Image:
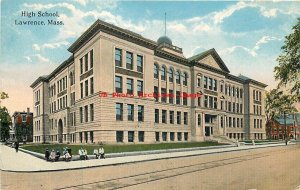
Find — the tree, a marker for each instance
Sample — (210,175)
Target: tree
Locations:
(4,124)
(277,104)
(288,70)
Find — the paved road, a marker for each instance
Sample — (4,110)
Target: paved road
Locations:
(262,169)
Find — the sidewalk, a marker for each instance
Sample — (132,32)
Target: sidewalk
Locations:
(23,162)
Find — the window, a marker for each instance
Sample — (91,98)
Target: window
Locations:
(222,125)
(241,108)
(119,136)
(140,113)
(198,81)
(215,85)
(140,63)
(155,94)
(171,79)
(242,123)
(221,88)
(163,95)
(199,101)
(119,111)
(71,78)
(230,124)
(210,83)
(215,103)
(157,136)
(237,108)
(178,97)
(91,59)
(129,86)
(259,93)
(171,117)
(222,105)
(86,84)
(164,116)
(129,60)
(178,117)
(184,80)
(186,136)
(229,106)
(81,90)
(205,101)
(241,93)
(199,120)
(81,114)
(205,82)
(86,113)
(156,116)
(118,84)
(140,85)
(210,101)
(237,122)
(185,118)
(184,98)
(155,71)
(118,57)
(130,136)
(233,107)
(172,136)
(92,112)
(179,137)
(177,77)
(171,97)
(92,85)
(254,123)
(130,112)
(86,64)
(81,65)
(141,136)
(233,122)
(164,136)
(163,73)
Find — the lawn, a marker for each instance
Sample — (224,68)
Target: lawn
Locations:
(116,148)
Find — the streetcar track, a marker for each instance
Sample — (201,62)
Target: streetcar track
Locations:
(112,183)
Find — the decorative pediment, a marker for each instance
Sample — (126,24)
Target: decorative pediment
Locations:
(210,58)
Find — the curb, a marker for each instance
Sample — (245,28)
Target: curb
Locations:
(140,161)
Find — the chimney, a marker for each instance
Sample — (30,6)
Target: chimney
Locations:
(28,110)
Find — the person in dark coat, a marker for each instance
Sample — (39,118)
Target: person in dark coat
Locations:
(57,155)
(47,154)
(17,146)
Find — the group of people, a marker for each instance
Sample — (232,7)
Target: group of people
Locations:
(99,153)
(67,155)
(55,155)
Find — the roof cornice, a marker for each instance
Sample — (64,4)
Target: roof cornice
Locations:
(100,25)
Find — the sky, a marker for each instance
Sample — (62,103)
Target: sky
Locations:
(247,35)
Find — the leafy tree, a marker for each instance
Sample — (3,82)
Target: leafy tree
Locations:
(288,70)
(277,104)
(5,123)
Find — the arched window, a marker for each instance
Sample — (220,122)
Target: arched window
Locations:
(155,71)
(184,80)
(171,75)
(177,77)
(71,78)
(199,80)
(163,73)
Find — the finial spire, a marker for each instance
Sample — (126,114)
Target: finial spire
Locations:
(165,23)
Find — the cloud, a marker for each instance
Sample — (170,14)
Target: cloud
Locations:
(270,13)
(251,51)
(49,45)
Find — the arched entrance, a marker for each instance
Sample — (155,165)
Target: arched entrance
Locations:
(60,131)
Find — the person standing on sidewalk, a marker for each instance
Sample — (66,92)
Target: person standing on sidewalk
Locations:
(17,146)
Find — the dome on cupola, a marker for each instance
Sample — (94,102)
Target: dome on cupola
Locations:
(164,39)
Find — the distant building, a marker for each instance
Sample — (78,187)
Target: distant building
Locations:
(292,130)
(70,104)
(22,123)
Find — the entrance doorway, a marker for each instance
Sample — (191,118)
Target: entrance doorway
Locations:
(208,131)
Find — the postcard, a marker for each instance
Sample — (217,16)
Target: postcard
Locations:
(107,94)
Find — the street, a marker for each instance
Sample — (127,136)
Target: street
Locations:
(262,169)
